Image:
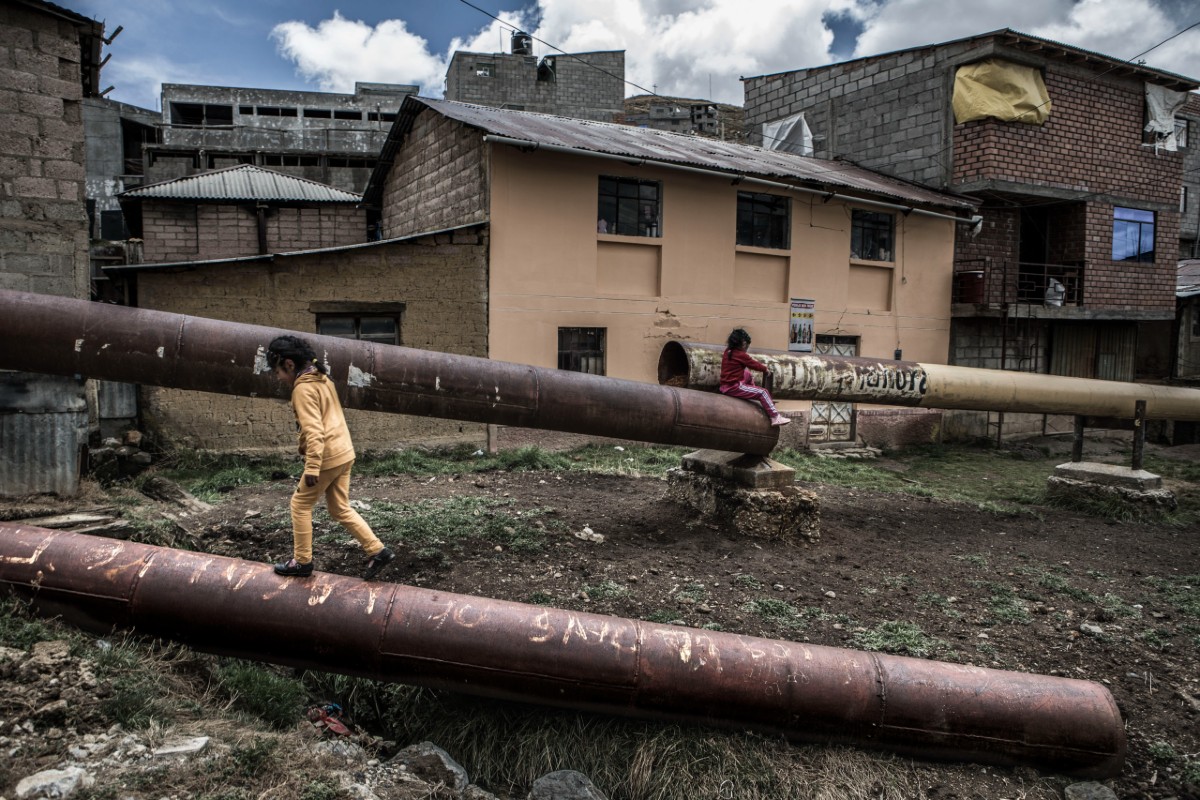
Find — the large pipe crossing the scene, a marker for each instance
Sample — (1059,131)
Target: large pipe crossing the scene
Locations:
(63,336)
(804,376)
(565,658)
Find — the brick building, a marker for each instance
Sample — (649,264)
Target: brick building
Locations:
(1188,135)
(579,85)
(240,211)
(1072,271)
(49,62)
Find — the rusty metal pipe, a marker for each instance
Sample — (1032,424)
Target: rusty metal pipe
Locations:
(802,376)
(565,658)
(62,336)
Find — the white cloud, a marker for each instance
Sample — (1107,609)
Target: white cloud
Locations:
(699,48)
(339,51)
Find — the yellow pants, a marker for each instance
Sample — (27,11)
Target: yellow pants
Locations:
(334,483)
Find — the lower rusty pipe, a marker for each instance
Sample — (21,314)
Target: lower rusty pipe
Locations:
(62,336)
(804,376)
(513,651)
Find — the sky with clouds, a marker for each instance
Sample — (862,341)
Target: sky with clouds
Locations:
(688,48)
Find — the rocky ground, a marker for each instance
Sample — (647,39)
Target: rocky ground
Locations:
(1044,590)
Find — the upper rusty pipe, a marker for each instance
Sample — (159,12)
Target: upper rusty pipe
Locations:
(62,336)
(565,658)
(803,376)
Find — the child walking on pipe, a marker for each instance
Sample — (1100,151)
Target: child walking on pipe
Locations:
(736,380)
(328,457)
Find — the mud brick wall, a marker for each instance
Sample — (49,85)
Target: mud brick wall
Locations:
(43,221)
(439,179)
(195,232)
(441,280)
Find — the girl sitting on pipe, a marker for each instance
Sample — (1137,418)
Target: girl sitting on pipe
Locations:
(737,380)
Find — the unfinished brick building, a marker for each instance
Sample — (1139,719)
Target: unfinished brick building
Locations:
(579,85)
(1073,269)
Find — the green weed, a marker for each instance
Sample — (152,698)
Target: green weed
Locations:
(747,581)
(903,638)
(261,692)
(608,590)
(693,592)
(1181,591)
(776,611)
(449,520)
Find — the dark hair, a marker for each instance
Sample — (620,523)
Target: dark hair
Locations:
(738,338)
(295,348)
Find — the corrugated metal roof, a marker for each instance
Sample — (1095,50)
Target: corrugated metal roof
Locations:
(662,146)
(243,182)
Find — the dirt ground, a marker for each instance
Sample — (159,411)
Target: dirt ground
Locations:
(1023,592)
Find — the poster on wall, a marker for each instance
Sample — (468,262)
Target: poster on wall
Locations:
(800,326)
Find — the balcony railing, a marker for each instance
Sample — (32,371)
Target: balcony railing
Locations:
(988,282)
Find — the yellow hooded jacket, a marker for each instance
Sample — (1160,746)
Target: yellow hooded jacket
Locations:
(324,437)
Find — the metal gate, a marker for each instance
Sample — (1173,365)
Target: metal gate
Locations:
(833,422)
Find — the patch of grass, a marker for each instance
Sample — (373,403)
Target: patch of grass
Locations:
(776,611)
(509,745)
(448,520)
(747,581)
(606,459)
(1053,582)
(1005,607)
(608,590)
(635,461)
(261,692)
(208,475)
(661,617)
(540,599)
(1181,591)
(974,560)
(693,592)
(902,638)
(18,628)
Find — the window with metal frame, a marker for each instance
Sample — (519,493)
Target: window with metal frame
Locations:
(872,235)
(630,207)
(763,220)
(1133,235)
(379,328)
(582,350)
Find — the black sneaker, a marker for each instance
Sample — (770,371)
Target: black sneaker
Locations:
(294,569)
(377,562)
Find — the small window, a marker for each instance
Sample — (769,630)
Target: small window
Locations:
(763,220)
(354,115)
(1182,129)
(246,110)
(378,329)
(1183,200)
(483,70)
(629,207)
(871,236)
(581,350)
(381,117)
(275,111)
(319,113)
(1133,235)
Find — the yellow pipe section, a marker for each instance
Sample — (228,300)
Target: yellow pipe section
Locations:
(804,376)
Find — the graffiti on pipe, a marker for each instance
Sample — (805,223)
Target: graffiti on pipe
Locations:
(849,379)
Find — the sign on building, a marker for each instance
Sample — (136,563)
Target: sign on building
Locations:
(800,326)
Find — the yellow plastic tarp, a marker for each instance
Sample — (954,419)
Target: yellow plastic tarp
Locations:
(1001,90)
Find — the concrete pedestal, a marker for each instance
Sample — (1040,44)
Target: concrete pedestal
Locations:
(754,494)
(1106,482)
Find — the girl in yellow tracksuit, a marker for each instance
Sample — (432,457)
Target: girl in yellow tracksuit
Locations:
(328,457)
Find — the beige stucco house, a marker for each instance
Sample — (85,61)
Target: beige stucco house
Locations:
(608,240)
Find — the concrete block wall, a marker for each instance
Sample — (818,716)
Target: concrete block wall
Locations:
(586,85)
(195,232)
(1189,227)
(43,219)
(439,179)
(885,113)
(441,280)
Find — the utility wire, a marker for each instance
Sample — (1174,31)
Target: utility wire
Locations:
(848,165)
